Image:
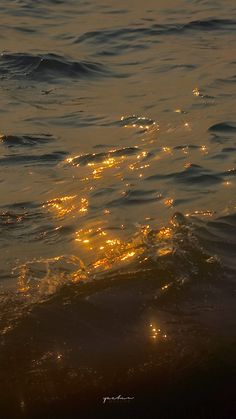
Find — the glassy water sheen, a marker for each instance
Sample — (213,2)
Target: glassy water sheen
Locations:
(117,207)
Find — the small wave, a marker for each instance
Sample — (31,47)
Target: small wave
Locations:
(142,122)
(19,221)
(25,140)
(136,197)
(192,174)
(166,306)
(76,118)
(218,236)
(17,215)
(181,254)
(223,127)
(211,24)
(46,67)
(227,80)
(19,159)
(173,248)
(111,36)
(29,223)
(86,159)
(229,172)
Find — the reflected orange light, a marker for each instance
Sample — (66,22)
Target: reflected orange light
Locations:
(196,92)
(66,204)
(168,202)
(165,233)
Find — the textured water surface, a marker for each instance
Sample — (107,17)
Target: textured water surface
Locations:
(117,207)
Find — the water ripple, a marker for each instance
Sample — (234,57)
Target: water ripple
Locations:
(110,36)
(47,67)
(26,140)
(224,127)
(88,159)
(193,174)
(19,159)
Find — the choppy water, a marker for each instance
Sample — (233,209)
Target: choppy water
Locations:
(117,207)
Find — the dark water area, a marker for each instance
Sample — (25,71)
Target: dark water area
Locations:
(117,209)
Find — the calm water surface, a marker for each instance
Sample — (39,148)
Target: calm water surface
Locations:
(117,207)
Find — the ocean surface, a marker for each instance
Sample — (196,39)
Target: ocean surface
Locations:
(117,208)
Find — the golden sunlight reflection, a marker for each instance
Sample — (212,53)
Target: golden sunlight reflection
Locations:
(141,122)
(110,250)
(206,213)
(165,233)
(115,161)
(112,160)
(164,251)
(106,164)
(166,286)
(196,92)
(84,205)
(168,202)
(204,149)
(227,183)
(181,111)
(99,249)
(128,255)
(156,333)
(167,149)
(187,165)
(137,166)
(62,206)
(187,126)
(40,277)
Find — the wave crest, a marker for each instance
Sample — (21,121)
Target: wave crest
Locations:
(46,67)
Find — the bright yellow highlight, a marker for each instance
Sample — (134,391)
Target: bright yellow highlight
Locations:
(65,205)
(196,92)
(156,334)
